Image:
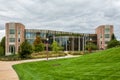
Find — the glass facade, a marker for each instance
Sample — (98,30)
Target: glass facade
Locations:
(30,35)
(69,41)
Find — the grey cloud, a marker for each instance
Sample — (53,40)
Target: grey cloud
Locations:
(68,15)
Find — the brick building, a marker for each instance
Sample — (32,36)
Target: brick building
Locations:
(14,37)
(16,34)
(104,33)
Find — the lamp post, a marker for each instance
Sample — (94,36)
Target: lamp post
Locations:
(47,47)
(90,45)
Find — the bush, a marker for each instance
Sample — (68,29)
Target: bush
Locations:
(50,54)
(2,44)
(113,43)
(25,50)
(10,58)
(75,53)
(39,47)
(91,46)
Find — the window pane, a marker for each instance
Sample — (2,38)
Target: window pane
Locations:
(107,30)
(12,31)
(18,39)
(107,35)
(12,39)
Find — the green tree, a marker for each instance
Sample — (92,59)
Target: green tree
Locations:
(38,45)
(55,47)
(25,49)
(91,46)
(1,51)
(113,43)
(113,37)
(2,44)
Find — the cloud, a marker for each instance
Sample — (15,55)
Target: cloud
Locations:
(68,15)
(2,34)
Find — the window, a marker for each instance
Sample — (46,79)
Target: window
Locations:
(107,30)
(12,31)
(107,35)
(12,39)
(101,42)
(106,42)
(28,35)
(18,39)
(18,31)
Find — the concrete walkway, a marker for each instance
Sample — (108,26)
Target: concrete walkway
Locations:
(8,73)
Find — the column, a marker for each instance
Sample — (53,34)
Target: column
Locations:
(72,43)
(66,44)
(53,38)
(83,44)
(79,44)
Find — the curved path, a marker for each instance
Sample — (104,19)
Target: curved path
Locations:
(8,73)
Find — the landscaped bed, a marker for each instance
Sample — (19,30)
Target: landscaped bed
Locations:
(33,56)
(104,65)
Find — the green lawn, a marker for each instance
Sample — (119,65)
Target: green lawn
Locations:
(104,65)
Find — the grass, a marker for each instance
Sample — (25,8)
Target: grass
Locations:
(104,65)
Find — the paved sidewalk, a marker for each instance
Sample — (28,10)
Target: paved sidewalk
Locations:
(8,73)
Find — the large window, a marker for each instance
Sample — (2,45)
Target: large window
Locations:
(107,30)
(30,35)
(107,35)
(12,31)
(12,39)
(18,31)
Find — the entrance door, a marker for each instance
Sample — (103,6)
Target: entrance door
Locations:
(12,49)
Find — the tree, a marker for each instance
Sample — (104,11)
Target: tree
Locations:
(113,37)
(113,43)
(25,49)
(1,51)
(91,46)
(37,40)
(38,45)
(2,44)
(55,47)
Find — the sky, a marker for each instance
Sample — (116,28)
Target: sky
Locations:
(81,16)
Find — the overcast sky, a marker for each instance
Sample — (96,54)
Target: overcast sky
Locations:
(81,16)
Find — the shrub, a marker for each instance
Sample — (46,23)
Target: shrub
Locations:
(91,46)
(75,53)
(10,58)
(113,43)
(25,50)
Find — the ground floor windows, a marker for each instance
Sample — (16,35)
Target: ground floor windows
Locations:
(12,49)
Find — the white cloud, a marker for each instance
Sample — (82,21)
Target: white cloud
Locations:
(2,34)
(68,15)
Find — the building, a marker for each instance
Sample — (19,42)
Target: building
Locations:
(16,34)
(104,33)
(14,37)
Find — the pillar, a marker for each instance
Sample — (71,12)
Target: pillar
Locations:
(78,43)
